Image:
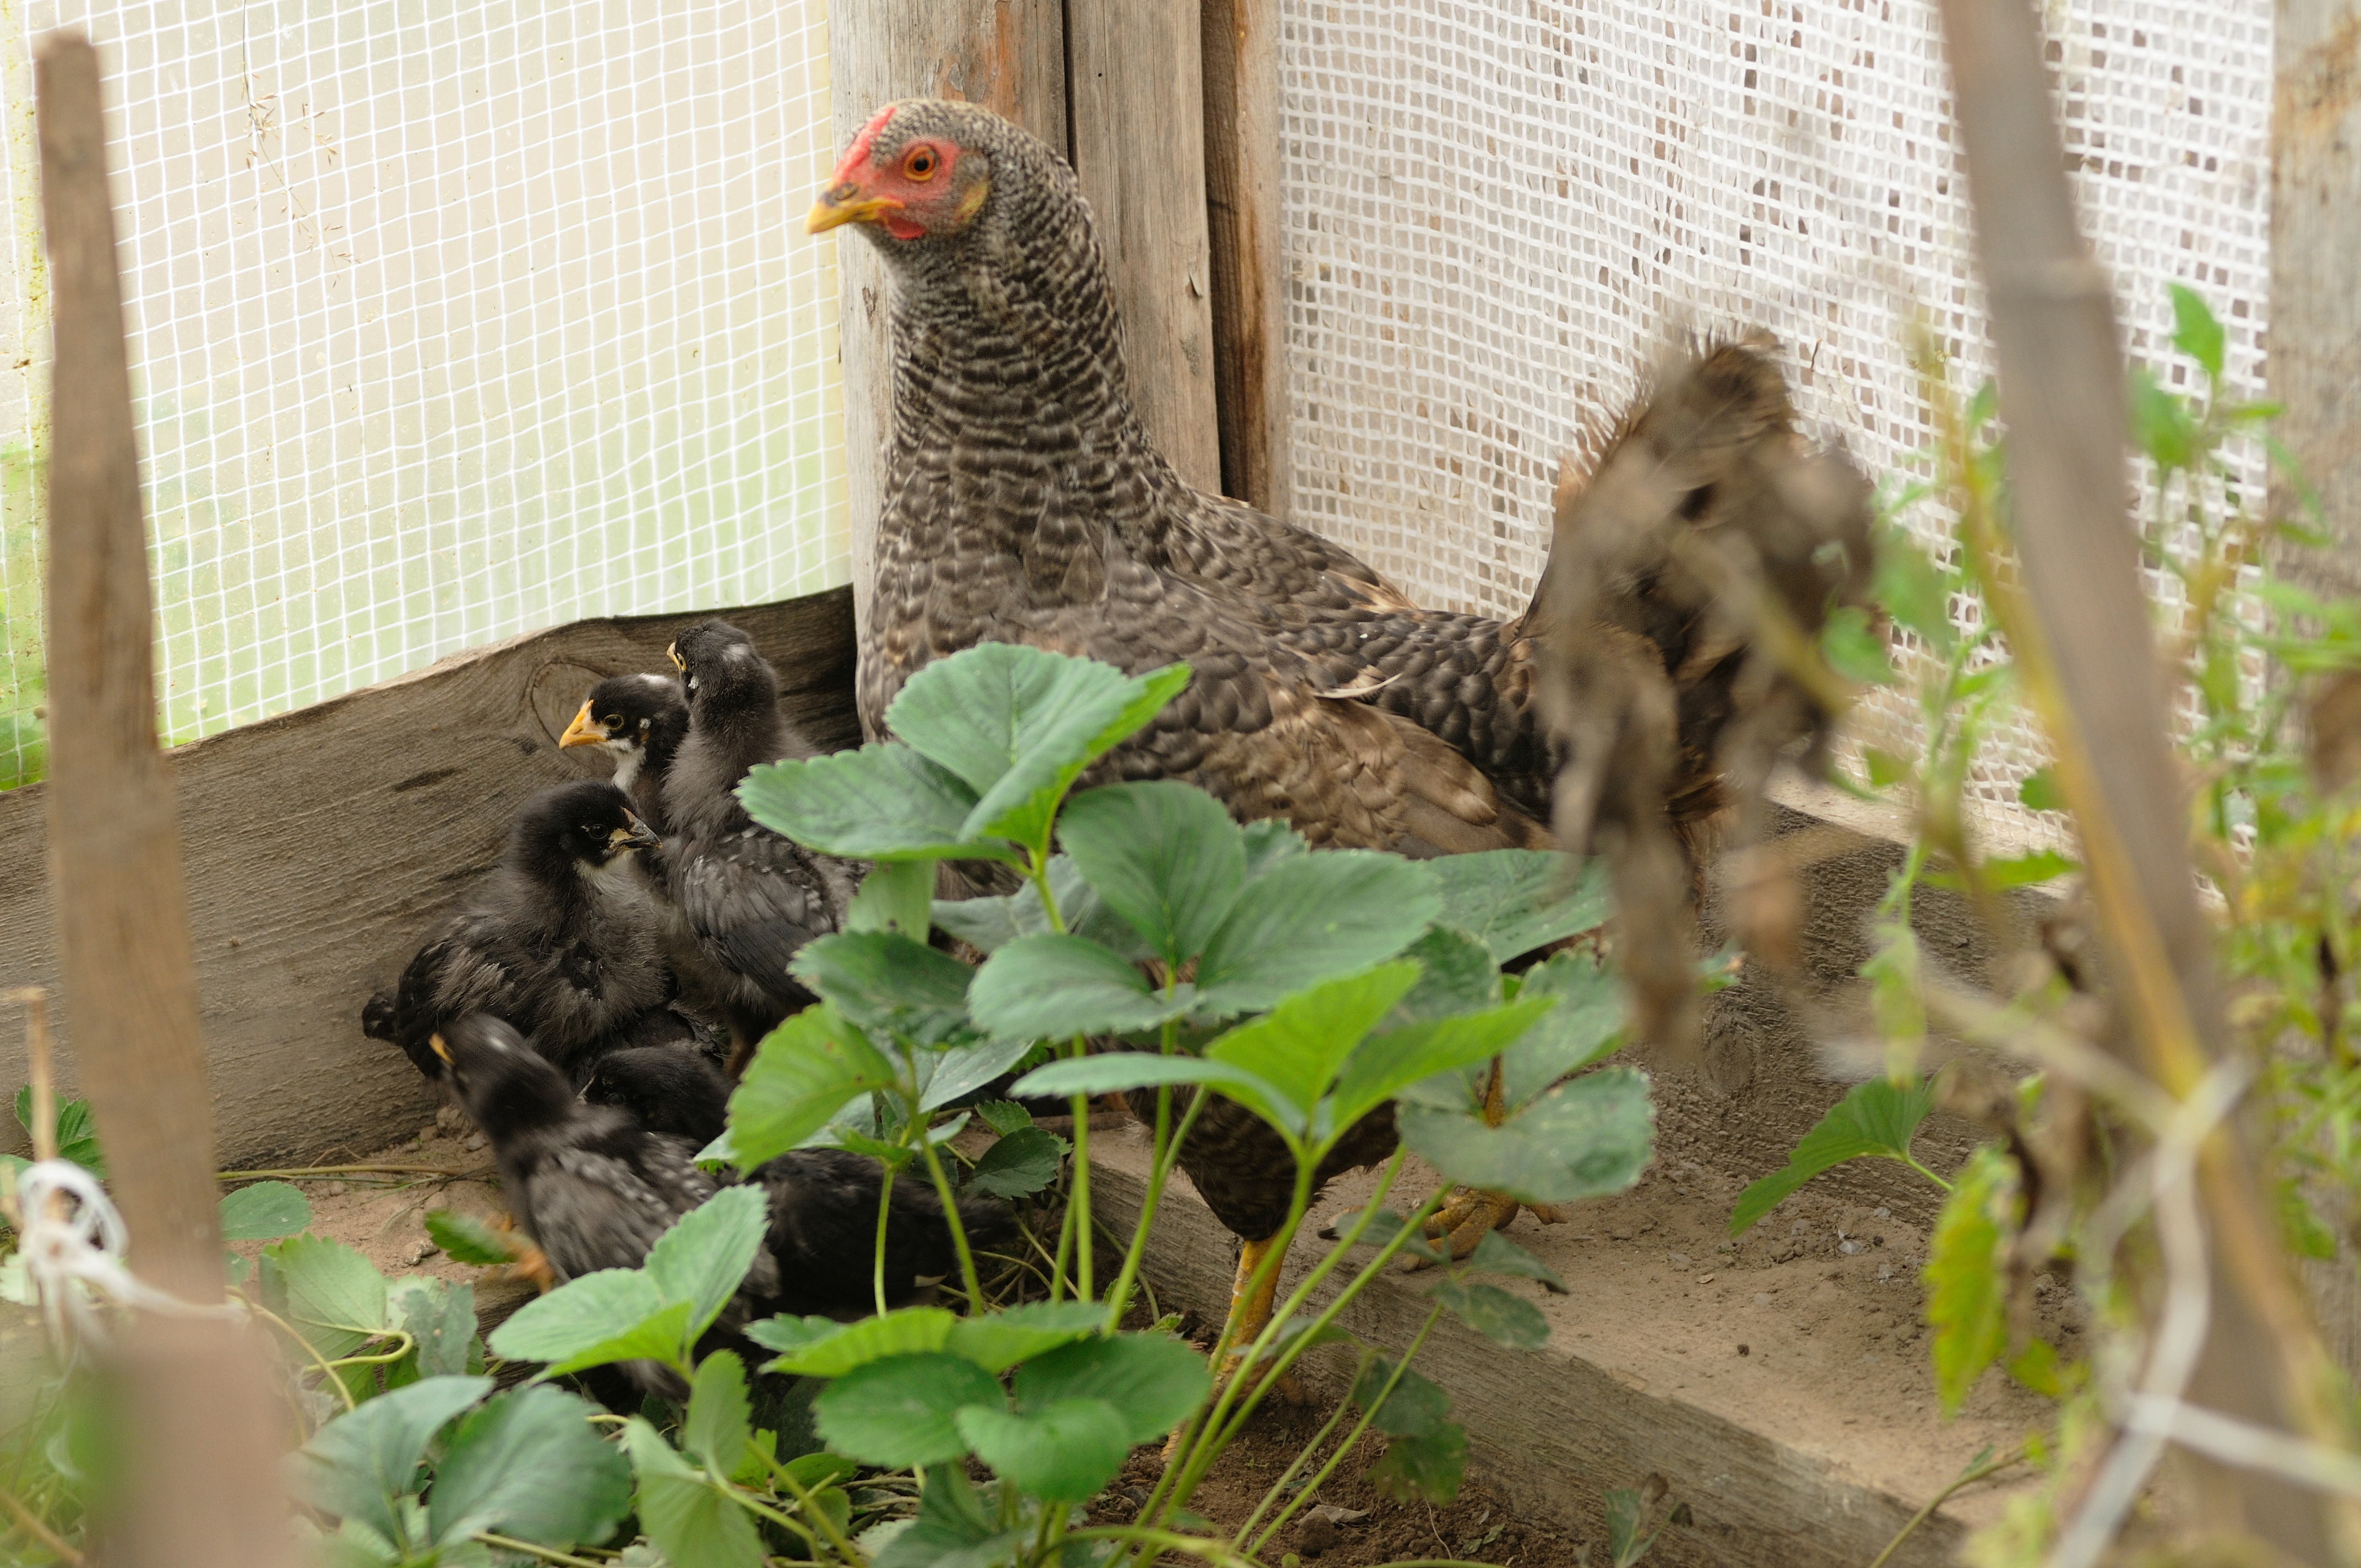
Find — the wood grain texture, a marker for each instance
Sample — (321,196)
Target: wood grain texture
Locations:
(1006,54)
(1138,108)
(199,1426)
(2315,330)
(1240,53)
(323,843)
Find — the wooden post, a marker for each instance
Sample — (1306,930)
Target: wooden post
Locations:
(1137,102)
(2091,660)
(194,1408)
(1242,210)
(1006,54)
(2314,357)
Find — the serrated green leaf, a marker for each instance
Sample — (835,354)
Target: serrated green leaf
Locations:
(705,1255)
(1515,901)
(1117,1070)
(531,1466)
(1267,843)
(263,1212)
(1154,1380)
(1053,987)
(1004,1117)
(1062,1453)
(1164,856)
(1874,1119)
(803,1073)
(1000,1340)
(1311,918)
(2032,867)
(1416,1407)
(880,803)
(1885,769)
(334,1298)
(1427,1467)
(2161,424)
(1912,591)
(897,897)
(1587,1136)
(903,1409)
(1386,1064)
(1585,1027)
(951,1529)
(694,1525)
(1626,1543)
(2195,332)
(440,1317)
(1496,1254)
(1491,1312)
(854,1346)
(614,1314)
(361,1463)
(463,1238)
(963,1069)
(2040,791)
(989,925)
(1850,644)
(718,1427)
(1966,1274)
(1300,1046)
(1383,1226)
(2036,1367)
(1019,1165)
(887,982)
(1457,974)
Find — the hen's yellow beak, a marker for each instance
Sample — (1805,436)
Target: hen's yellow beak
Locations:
(440,1049)
(844,203)
(582,731)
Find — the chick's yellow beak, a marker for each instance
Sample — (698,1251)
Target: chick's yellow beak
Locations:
(672,652)
(844,203)
(582,731)
(440,1049)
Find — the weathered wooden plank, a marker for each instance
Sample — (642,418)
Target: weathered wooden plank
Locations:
(1240,52)
(2315,321)
(323,843)
(1138,101)
(1008,54)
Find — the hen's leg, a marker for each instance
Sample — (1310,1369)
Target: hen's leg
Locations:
(1250,1307)
(1469,1213)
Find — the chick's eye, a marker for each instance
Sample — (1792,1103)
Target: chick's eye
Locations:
(614,718)
(920,164)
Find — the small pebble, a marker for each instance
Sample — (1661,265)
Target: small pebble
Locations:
(1705,1278)
(1745,1351)
(1885,1271)
(476,1143)
(1884,1214)
(1314,1536)
(1677,1259)
(335,1190)
(1797,1229)
(1848,1248)
(425,1133)
(1763,1298)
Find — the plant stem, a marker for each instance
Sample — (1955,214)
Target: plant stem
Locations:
(1078,1200)
(317,1359)
(1304,1456)
(877,1263)
(1065,1250)
(548,1554)
(35,1527)
(1922,1170)
(820,1517)
(300,1172)
(1168,1149)
(1168,1541)
(951,1218)
(1312,1488)
(1976,1471)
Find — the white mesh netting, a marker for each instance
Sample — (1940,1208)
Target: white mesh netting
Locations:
(447,323)
(1493,211)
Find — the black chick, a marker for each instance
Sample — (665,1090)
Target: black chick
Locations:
(561,941)
(823,1202)
(641,721)
(745,899)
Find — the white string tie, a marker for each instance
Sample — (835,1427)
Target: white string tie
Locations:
(72,1242)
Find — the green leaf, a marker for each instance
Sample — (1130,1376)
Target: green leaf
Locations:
(333,1295)
(694,1525)
(1885,769)
(264,1211)
(903,1409)
(802,1073)
(1019,724)
(880,803)
(614,1314)
(1062,1453)
(989,925)
(1457,974)
(2161,425)
(1311,918)
(1425,1467)
(2040,791)
(1267,843)
(2037,1368)
(2195,332)
(963,1069)
(1626,1543)
(897,897)
(1850,644)
(530,1465)
(1587,1136)
(950,1531)
(74,1129)
(1164,856)
(463,1238)
(1156,1381)
(1384,1225)
(1585,1027)
(441,1316)
(1004,1117)
(1913,590)
(1053,987)
(717,1427)
(1491,1312)
(854,1346)
(1389,1063)
(1416,1407)
(706,1254)
(1000,1340)
(882,980)
(1514,901)
(359,1464)
(1020,1165)
(1875,1118)
(1114,1071)
(2026,869)
(1496,1254)
(1300,1046)
(1967,1273)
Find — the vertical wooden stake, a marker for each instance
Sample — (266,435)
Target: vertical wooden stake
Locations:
(1242,209)
(193,1406)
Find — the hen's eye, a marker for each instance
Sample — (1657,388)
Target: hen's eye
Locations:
(920,164)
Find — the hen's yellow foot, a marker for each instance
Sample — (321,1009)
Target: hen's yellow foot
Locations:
(1250,1305)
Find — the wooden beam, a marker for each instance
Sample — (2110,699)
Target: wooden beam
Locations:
(323,843)
(1006,54)
(2315,362)
(1242,210)
(1138,108)
(194,1414)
